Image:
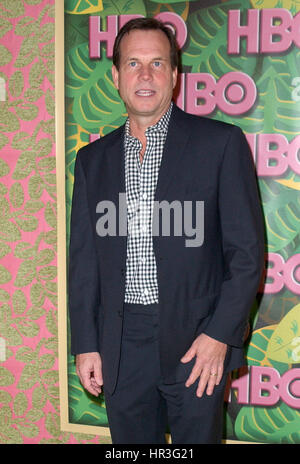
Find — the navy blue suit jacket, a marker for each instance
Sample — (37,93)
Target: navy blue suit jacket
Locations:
(209,288)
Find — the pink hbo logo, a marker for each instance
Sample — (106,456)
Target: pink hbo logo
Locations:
(264,386)
(280,273)
(234,93)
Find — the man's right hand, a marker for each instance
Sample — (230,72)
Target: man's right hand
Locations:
(89,371)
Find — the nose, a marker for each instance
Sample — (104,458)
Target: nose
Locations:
(145,73)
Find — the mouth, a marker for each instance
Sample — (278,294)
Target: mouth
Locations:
(145,93)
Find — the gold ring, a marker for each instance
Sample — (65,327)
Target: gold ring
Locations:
(213,374)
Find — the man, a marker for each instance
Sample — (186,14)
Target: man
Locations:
(156,319)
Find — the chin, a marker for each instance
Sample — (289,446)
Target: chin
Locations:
(145,109)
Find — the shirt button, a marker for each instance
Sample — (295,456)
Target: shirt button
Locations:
(144,228)
(144,196)
(142,260)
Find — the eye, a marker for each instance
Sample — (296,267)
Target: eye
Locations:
(132,64)
(157,64)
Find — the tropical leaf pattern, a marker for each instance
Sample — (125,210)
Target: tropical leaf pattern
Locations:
(292,5)
(282,216)
(205,50)
(276,111)
(96,100)
(284,345)
(83,6)
(180,8)
(123,7)
(279,424)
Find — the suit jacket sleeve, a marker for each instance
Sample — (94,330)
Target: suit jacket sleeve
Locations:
(242,241)
(83,278)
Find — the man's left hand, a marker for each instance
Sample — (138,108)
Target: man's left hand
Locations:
(209,364)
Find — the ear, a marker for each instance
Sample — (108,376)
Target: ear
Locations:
(174,75)
(115,76)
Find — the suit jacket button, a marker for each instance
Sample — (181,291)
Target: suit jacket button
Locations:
(120,313)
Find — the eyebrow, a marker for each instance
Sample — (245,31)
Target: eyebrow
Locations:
(159,58)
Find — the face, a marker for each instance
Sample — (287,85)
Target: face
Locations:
(145,78)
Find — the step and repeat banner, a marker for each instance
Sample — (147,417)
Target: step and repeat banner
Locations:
(240,64)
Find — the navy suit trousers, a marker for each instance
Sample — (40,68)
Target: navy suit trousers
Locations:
(143,407)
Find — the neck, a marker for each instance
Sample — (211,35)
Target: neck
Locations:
(139,124)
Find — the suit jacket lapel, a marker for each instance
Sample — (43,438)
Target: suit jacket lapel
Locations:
(117,162)
(178,134)
(113,184)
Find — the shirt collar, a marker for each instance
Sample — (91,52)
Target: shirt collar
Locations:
(160,127)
